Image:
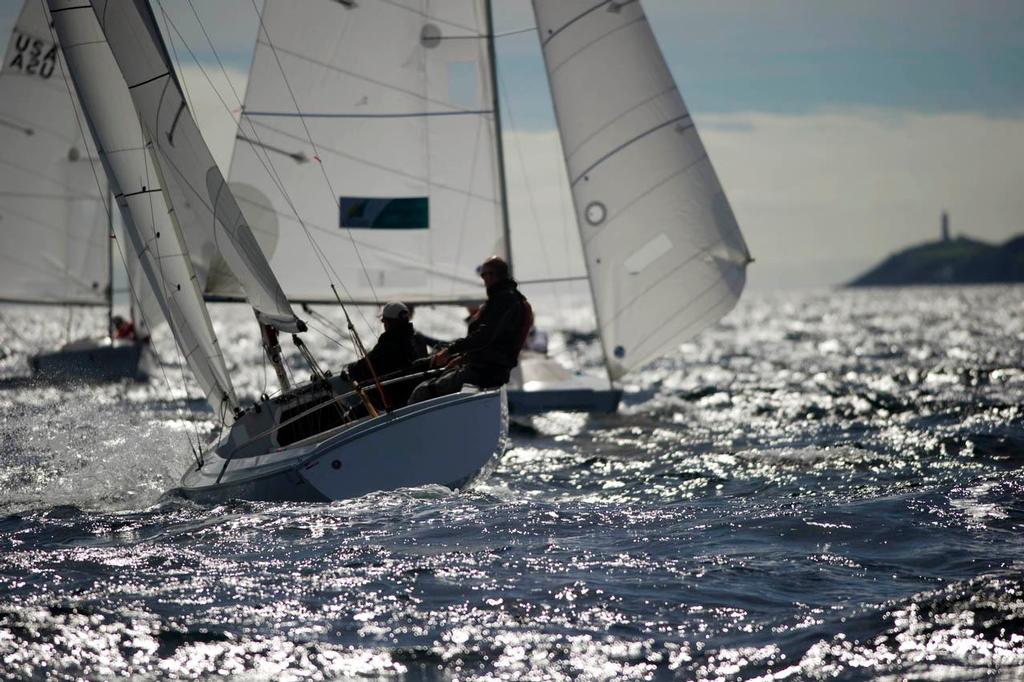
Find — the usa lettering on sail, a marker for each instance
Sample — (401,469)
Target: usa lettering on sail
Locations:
(32,56)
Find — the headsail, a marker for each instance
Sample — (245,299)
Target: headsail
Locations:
(386,153)
(664,254)
(152,233)
(53,225)
(191,178)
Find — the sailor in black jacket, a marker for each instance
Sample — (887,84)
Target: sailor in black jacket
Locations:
(396,350)
(490,349)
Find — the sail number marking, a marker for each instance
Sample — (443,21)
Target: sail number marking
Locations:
(32,56)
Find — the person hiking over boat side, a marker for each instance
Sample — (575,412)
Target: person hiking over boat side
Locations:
(395,351)
(486,355)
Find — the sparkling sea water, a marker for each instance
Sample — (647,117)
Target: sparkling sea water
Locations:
(826,485)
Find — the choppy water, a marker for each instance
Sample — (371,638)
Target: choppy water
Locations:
(826,485)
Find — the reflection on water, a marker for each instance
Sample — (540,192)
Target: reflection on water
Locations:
(825,485)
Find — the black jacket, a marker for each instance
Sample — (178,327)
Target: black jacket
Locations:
(396,350)
(496,332)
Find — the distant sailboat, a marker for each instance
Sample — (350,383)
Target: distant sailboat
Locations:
(55,224)
(392,109)
(294,446)
(665,257)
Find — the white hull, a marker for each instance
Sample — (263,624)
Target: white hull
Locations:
(91,360)
(451,440)
(542,385)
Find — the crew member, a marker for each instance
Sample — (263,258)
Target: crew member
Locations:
(122,329)
(396,351)
(490,349)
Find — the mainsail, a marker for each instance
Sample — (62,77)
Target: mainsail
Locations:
(371,126)
(53,223)
(664,254)
(137,183)
(195,186)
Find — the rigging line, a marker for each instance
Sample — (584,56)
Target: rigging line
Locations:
(329,114)
(291,93)
(505,34)
(486,36)
(327,66)
(369,162)
(216,56)
(278,182)
(341,115)
(268,163)
(327,336)
(105,194)
(326,321)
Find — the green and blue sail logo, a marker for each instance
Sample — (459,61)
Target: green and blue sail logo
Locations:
(389,213)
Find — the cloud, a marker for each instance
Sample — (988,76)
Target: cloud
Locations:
(824,196)
(820,197)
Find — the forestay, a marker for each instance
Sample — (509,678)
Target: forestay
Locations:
(664,254)
(136,180)
(197,190)
(370,125)
(53,225)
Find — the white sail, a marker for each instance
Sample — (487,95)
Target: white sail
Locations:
(152,234)
(664,254)
(371,125)
(195,185)
(53,225)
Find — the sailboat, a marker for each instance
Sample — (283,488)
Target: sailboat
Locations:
(55,224)
(395,106)
(297,445)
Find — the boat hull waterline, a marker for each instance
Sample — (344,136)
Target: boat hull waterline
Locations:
(451,440)
(594,401)
(91,362)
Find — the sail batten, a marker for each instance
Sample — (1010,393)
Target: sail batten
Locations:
(664,254)
(53,226)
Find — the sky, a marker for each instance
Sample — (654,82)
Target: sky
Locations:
(840,130)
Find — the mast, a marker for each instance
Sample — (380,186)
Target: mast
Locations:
(499,146)
(109,195)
